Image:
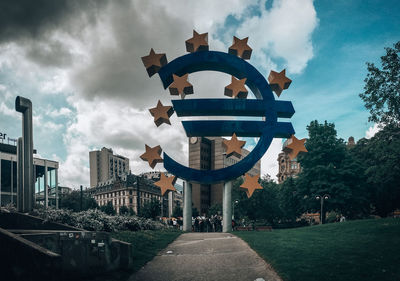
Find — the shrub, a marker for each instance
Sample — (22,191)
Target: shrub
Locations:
(96,220)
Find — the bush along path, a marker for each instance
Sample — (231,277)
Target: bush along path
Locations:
(96,220)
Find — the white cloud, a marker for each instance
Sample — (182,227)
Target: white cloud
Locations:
(64,111)
(284,31)
(121,127)
(372,131)
(269,162)
(4,109)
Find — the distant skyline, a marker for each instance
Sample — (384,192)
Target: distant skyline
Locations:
(79,62)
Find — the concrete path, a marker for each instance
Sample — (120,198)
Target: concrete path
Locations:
(206,256)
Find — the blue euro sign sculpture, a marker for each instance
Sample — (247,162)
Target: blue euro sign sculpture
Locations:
(264,106)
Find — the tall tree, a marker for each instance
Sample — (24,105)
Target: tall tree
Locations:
(327,170)
(382,88)
(380,157)
(72,201)
(151,209)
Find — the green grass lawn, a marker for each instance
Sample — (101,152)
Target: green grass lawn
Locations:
(147,243)
(353,250)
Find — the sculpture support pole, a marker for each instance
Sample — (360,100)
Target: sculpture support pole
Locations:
(20,175)
(46,182)
(227,207)
(56,181)
(170,203)
(24,106)
(187,206)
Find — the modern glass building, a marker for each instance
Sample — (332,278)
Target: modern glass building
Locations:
(45,174)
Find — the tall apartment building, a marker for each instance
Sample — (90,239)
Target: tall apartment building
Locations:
(209,154)
(105,165)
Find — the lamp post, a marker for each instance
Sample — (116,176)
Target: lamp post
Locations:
(322,199)
(233,208)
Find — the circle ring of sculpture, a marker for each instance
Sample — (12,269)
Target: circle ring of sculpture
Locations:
(266,130)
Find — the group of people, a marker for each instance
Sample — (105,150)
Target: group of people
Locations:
(199,223)
(205,224)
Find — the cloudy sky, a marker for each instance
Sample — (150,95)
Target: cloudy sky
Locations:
(79,62)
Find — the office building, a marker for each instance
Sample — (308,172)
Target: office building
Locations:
(105,165)
(45,174)
(209,154)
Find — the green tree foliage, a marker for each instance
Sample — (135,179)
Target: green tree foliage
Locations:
(215,209)
(263,205)
(380,157)
(328,168)
(72,201)
(289,200)
(177,212)
(108,209)
(124,210)
(382,88)
(131,212)
(151,209)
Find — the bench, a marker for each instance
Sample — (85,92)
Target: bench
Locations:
(264,228)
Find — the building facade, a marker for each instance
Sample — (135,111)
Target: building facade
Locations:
(290,167)
(133,192)
(210,154)
(105,165)
(287,167)
(45,175)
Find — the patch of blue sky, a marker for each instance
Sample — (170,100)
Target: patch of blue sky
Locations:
(48,128)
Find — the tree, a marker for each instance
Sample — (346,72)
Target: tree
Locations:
(72,201)
(289,200)
(262,205)
(327,169)
(380,157)
(177,212)
(131,212)
(108,209)
(151,209)
(382,88)
(215,209)
(123,210)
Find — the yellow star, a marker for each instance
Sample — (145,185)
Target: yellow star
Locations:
(199,42)
(153,62)
(251,184)
(152,155)
(236,89)
(233,146)
(181,86)
(240,48)
(166,183)
(278,81)
(161,113)
(295,146)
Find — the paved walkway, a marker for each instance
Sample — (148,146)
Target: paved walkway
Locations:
(206,256)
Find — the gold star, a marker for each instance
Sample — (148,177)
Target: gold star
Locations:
(152,155)
(181,86)
(236,89)
(161,113)
(233,146)
(295,146)
(278,81)
(166,183)
(251,184)
(240,48)
(153,62)
(199,42)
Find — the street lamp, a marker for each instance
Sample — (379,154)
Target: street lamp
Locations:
(322,199)
(233,208)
